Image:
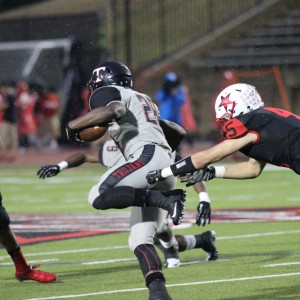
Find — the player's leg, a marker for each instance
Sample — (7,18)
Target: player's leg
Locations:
(144,223)
(168,244)
(205,241)
(125,185)
(7,238)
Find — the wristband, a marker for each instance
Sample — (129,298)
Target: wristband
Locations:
(203,196)
(183,167)
(219,172)
(166,172)
(63,165)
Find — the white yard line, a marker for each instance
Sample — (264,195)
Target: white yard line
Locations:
(245,236)
(108,261)
(32,262)
(169,285)
(282,264)
(71,251)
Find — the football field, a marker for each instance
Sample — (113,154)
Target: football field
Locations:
(256,221)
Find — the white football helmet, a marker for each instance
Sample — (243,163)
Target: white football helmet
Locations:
(235,100)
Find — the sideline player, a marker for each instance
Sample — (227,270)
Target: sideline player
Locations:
(109,155)
(8,239)
(264,134)
(134,125)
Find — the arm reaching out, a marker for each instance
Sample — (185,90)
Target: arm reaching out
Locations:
(200,161)
(72,161)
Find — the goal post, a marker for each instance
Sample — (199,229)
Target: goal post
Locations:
(40,61)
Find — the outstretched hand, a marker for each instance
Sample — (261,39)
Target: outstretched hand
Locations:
(48,171)
(154,176)
(203,213)
(205,174)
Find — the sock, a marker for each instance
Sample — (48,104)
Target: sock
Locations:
(190,241)
(19,260)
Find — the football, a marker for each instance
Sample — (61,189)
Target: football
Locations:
(94,133)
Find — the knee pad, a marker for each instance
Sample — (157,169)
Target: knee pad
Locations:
(4,218)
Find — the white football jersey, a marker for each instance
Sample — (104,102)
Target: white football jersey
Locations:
(140,125)
(109,154)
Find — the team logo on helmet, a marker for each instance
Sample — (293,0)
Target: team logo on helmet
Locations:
(235,100)
(225,102)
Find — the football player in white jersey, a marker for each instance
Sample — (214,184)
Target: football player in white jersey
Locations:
(134,126)
(109,155)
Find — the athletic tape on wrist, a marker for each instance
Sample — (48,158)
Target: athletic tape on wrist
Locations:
(203,196)
(219,172)
(62,165)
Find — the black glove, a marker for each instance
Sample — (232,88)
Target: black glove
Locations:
(73,135)
(200,175)
(203,213)
(48,171)
(154,176)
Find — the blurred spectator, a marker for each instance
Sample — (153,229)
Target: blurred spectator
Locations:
(25,103)
(188,120)
(49,128)
(170,98)
(8,127)
(175,104)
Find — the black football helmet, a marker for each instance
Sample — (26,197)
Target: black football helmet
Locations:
(110,73)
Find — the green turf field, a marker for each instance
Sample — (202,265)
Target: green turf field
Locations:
(257,260)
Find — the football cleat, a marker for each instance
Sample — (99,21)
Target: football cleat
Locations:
(158,291)
(172,263)
(206,241)
(174,204)
(36,275)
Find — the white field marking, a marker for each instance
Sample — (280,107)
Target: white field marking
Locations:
(108,261)
(32,261)
(72,251)
(122,247)
(169,285)
(282,264)
(200,262)
(257,235)
(27,181)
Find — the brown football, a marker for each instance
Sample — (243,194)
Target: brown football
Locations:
(92,134)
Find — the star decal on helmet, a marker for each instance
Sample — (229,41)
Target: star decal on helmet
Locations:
(225,102)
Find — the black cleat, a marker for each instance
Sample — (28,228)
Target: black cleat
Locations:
(158,291)
(174,204)
(206,241)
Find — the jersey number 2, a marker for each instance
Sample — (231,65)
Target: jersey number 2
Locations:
(149,108)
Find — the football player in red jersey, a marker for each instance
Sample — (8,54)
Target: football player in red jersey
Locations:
(23,270)
(264,134)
